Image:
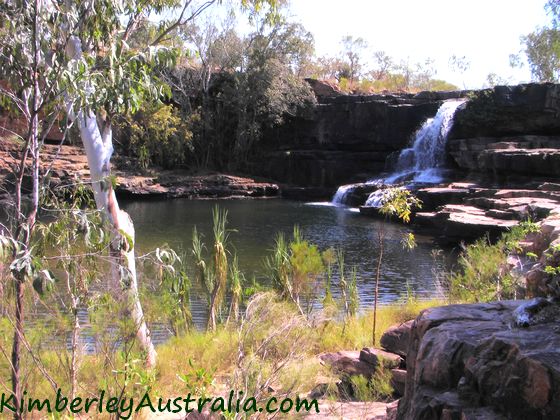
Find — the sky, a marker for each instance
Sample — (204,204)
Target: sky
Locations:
(485,31)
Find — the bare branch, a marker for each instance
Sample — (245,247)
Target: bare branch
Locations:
(181,21)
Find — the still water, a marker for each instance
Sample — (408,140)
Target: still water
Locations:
(254,225)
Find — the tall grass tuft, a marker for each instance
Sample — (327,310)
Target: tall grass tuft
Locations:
(220,264)
(201,270)
(237,278)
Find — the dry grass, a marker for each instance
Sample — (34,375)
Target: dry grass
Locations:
(278,347)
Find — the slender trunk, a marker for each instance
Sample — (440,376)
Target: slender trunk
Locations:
(381,237)
(212,317)
(16,348)
(74,362)
(33,147)
(99,149)
(75,337)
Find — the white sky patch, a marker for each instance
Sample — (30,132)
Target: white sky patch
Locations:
(485,31)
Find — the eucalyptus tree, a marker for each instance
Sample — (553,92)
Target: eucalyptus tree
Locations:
(352,49)
(71,60)
(542,48)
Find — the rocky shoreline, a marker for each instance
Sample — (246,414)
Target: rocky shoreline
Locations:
(67,164)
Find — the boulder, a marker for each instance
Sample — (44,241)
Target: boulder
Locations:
(378,357)
(467,361)
(348,363)
(398,381)
(397,337)
(324,88)
(391,411)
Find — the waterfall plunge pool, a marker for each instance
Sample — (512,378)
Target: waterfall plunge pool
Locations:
(255,224)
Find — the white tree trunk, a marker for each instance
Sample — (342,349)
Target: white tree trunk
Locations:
(99,149)
(97,137)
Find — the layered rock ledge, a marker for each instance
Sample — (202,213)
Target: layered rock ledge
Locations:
(466,211)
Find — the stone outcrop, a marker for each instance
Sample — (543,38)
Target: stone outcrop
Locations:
(324,88)
(478,211)
(504,156)
(378,357)
(174,184)
(397,338)
(509,130)
(67,164)
(348,363)
(510,111)
(468,361)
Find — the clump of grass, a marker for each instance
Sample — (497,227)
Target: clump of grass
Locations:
(356,332)
(378,388)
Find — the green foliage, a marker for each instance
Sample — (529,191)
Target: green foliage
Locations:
(385,76)
(352,49)
(278,267)
(295,267)
(354,299)
(483,274)
(329,258)
(197,380)
(542,48)
(236,289)
(395,202)
(220,266)
(399,202)
(202,274)
(157,136)
(306,263)
(377,389)
(171,272)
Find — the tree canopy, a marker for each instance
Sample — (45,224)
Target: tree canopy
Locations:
(542,47)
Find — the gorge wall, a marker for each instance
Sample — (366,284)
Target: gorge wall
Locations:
(344,139)
(500,134)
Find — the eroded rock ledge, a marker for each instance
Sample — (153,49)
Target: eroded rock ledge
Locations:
(467,211)
(67,164)
(469,361)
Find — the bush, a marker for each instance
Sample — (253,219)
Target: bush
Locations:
(156,136)
(483,273)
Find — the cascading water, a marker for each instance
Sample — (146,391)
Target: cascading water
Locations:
(421,163)
(341,193)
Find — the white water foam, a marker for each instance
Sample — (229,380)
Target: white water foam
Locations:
(423,162)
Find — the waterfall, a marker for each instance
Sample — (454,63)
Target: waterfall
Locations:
(341,193)
(421,163)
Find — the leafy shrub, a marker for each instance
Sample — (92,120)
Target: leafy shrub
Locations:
(483,274)
(156,136)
